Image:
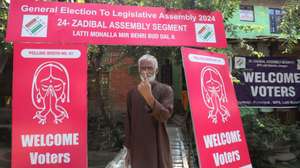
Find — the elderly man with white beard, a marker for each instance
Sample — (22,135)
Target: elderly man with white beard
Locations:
(149,106)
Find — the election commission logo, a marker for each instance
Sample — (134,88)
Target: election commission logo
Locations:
(239,62)
(34,26)
(205,33)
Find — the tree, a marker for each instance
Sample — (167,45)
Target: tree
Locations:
(290,25)
(6,48)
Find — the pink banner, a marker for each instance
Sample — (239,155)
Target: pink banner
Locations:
(49,106)
(218,127)
(35,21)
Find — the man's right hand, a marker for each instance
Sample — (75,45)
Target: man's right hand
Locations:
(145,90)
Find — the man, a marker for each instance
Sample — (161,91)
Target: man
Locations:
(149,106)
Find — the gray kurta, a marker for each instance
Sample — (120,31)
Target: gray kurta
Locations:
(145,128)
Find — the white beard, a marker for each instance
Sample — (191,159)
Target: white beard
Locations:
(150,79)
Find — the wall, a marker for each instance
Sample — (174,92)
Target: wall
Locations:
(261,23)
(120,83)
(261,18)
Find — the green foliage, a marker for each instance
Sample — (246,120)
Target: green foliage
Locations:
(154,3)
(118,136)
(290,25)
(6,48)
(248,47)
(263,134)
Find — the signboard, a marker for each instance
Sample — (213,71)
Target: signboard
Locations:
(246,13)
(35,21)
(216,118)
(49,106)
(268,81)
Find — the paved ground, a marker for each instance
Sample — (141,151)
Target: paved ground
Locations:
(4,157)
(179,148)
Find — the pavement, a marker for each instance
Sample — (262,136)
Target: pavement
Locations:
(4,157)
(179,148)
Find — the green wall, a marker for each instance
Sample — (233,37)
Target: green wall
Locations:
(261,23)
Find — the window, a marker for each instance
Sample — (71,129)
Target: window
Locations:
(275,19)
(247,13)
